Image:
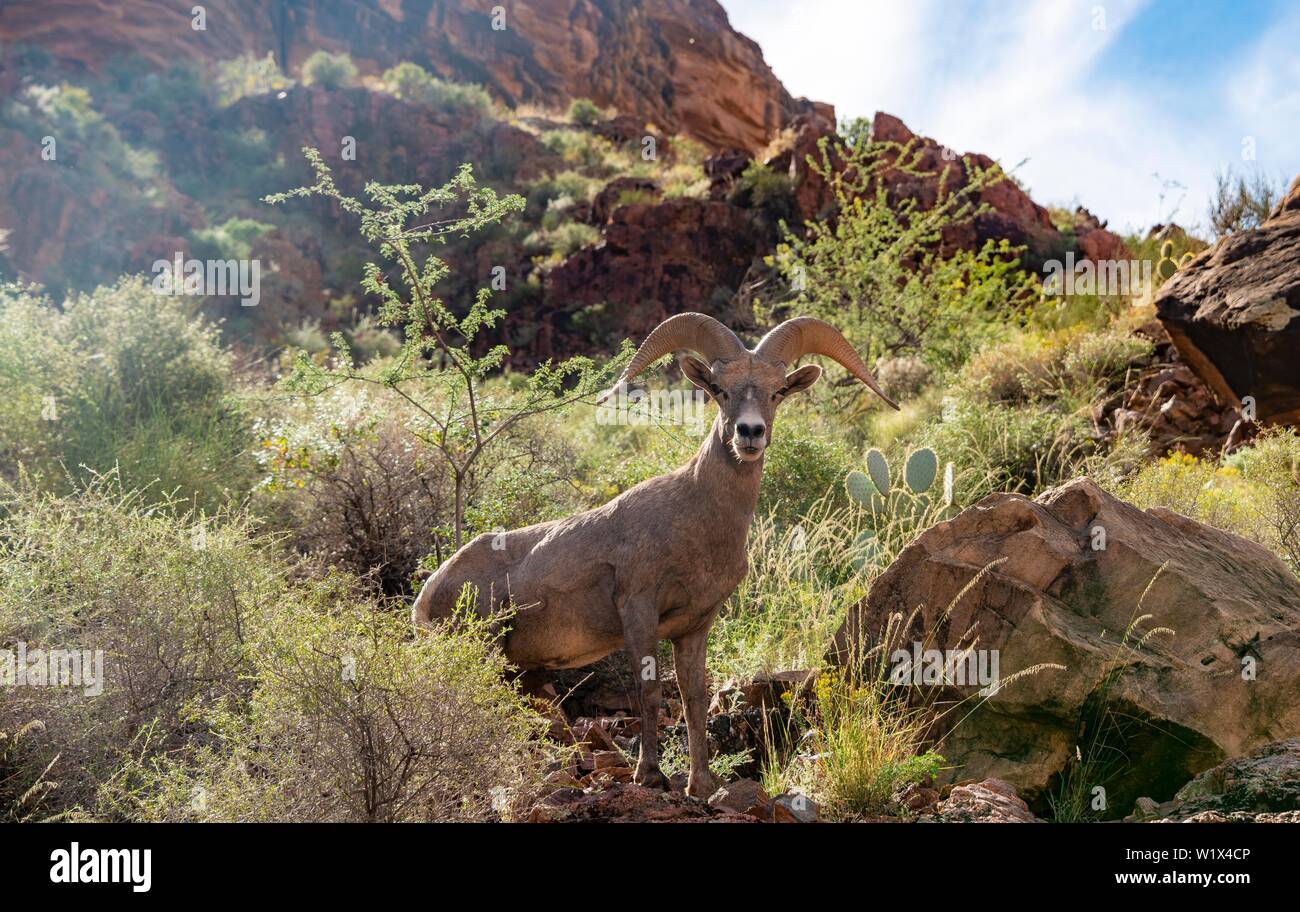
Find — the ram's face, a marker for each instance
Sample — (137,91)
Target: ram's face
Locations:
(747,391)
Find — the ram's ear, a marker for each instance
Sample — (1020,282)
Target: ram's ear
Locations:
(800,380)
(700,374)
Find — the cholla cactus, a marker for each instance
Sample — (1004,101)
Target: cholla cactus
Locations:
(874,491)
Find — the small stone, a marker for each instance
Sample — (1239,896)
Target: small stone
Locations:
(740,796)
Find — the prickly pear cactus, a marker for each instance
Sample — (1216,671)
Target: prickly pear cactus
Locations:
(921,469)
(910,502)
(878,468)
(866,550)
(1167,266)
(859,487)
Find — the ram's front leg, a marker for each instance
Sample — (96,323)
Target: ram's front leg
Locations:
(689,653)
(641,637)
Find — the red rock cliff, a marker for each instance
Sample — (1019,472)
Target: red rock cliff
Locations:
(676,63)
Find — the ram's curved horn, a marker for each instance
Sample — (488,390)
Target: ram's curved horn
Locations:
(697,332)
(809,336)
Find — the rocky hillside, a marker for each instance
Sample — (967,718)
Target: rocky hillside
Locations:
(675,63)
(169,137)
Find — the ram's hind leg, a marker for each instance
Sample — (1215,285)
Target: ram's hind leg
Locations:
(641,637)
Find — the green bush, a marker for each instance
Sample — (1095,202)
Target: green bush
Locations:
(578,148)
(352,719)
(240,77)
(231,240)
(230,691)
(761,187)
(414,84)
(126,380)
(1255,493)
(878,271)
(166,595)
(585,112)
(1072,367)
(803,466)
(329,71)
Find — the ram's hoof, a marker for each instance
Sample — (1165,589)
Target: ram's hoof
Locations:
(651,778)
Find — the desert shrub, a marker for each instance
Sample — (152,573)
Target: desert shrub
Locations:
(166,595)
(904,377)
(368,340)
(353,487)
(444,370)
(230,691)
(584,112)
(329,71)
(1273,465)
(371,503)
(231,240)
(353,719)
(1023,449)
(1073,366)
(307,336)
(1018,416)
(802,466)
(1255,493)
(866,746)
(1242,201)
(240,77)
(562,241)
(761,187)
(414,84)
(579,148)
(877,270)
(565,185)
(121,379)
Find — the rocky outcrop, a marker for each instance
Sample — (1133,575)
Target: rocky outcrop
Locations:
(654,260)
(1261,787)
(1172,406)
(1012,214)
(932,167)
(1232,314)
(676,63)
(1066,576)
(1094,241)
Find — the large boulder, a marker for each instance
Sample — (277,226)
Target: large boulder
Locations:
(1064,578)
(1231,313)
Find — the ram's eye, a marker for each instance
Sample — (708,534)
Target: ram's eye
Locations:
(722,394)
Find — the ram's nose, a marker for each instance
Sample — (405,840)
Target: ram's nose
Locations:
(750,438)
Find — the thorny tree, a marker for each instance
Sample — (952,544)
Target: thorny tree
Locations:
(461,416)
(877,265)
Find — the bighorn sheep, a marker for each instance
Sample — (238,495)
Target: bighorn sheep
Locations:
(658,561)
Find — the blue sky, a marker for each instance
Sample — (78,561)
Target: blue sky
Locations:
(1099,96)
